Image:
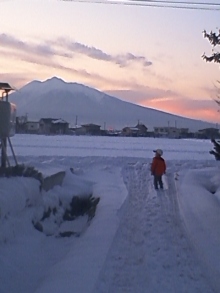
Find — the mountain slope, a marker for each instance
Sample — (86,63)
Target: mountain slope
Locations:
(55,98)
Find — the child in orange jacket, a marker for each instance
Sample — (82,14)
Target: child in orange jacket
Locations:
(158,168)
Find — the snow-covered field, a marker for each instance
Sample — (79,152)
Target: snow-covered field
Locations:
(139,241)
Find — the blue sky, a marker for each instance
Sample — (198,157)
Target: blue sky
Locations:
(148,56)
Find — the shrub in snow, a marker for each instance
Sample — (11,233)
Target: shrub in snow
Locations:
(55,215)
(21,171)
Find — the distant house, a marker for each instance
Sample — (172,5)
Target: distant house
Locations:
(92,129)
(130,131)
(171,132)
(53,126)
(208,133)
(32,126)
(165,131)
(76,129)
(142,129)
(138,130)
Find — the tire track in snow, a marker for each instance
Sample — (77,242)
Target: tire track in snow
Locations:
(150,252)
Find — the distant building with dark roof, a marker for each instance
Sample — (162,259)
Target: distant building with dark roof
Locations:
(208,133)
(92,129)
(53,126)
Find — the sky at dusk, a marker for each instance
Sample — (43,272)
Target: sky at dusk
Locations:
(149,56)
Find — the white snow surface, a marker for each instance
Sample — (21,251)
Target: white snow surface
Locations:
(139,241)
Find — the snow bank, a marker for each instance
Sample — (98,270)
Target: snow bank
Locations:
(200,206)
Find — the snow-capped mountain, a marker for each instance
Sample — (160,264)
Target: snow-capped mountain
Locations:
(55,98)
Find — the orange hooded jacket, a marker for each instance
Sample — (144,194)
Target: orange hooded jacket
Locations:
(158,166)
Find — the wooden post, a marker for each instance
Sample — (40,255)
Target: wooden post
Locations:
(4,153)
(6,88)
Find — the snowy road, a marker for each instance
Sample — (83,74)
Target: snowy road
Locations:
(134,263)
(137,241)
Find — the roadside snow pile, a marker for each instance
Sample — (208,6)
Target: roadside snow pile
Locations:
(199,196)
(18,195)
(215,183)
(65,218)
(62,211)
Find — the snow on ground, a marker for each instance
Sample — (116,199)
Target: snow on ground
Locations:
(140,240)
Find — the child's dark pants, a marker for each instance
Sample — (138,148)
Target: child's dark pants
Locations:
(158,180)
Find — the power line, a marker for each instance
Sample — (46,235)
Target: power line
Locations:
(155,3)
(152,3)
(179,2)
